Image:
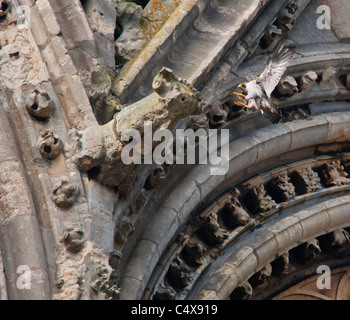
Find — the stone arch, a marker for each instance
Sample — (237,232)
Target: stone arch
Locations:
(277,238)
(77,69)
(21,240)
(258,147)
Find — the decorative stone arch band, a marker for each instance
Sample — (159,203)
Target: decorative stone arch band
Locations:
(254,148)
(21,239)
(263,245)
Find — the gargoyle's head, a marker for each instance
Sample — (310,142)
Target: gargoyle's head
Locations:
(180,97)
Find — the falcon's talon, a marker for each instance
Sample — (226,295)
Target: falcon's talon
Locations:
(241,95)
(241,104)
(257,92)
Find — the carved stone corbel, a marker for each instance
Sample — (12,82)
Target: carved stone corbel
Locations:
(297,113)
(328,75)
(102,284)
(193,253)
(334,174)
(50,145)
(281,264)
(164,293)
(311,249)
(281,188)
(285,20)
(218,114)
(271,33)
(258,201)
(307,80)
(233,213)
(122,231)
(340,238)
(131,38)
(156,176)
(292,6)
(178,275)
(198,122)
(39,104)
(288,85)
(261,276)
(211,232)
(73,239)
(64,194)
(336,239)
(306,181)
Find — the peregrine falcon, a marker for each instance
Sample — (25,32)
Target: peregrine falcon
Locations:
(258,92)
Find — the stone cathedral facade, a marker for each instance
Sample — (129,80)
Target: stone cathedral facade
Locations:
(77,222)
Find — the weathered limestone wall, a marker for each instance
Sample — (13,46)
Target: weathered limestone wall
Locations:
(47,220)
(60,87)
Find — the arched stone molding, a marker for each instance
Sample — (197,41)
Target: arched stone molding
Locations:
(263,245)
(49,211)
(52,42)
(254,148)
(72,229)
(21,240)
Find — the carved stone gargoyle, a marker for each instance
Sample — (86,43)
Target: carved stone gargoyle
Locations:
(334,174)
(100,147)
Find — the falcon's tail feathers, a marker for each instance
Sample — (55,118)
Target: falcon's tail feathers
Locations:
(272,112)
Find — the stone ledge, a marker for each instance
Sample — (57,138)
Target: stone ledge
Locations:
(241,23)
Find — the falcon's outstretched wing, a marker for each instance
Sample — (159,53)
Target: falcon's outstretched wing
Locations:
(271,111)
(275,68)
